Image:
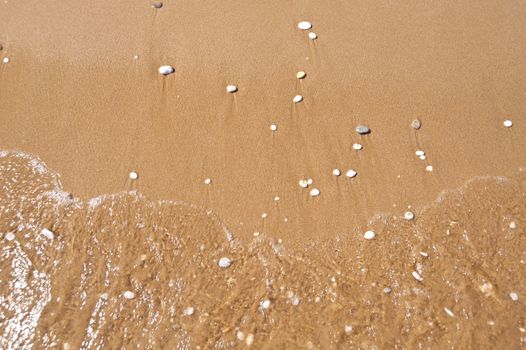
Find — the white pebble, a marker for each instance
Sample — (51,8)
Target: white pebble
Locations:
(369,235)
(336,172)
(514,296)
(6,60)
(208,181)
(303,183)
(429,168)
(264,215)
(250,339)
(348,328)
(134,175)
(409,216)
(276,198)
(363,129)
(310,181)
(129,294)
(48,233)
(357,146)
(387,290)
(449,312)
(189,311)
(265,304)
(422,157)
(513,225)
(295,300)
(297,99)
(240,335)
(351,173)
(224,262)
(273,127)
(313,36)
(166,70)
(417,276)
(301,75)
(508,123)
(314,192)
(231,88)
(10,236)
(424,254)
(420,153)
(304,25)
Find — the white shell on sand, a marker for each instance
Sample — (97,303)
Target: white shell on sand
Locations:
(336,172)
(265,304)
(48,233)
(303,183)
(416,124)
(129,294)
(310,181)
(231,88)
(273,127)
(422,157)
(508,123)
(514,296)
(250,339)
(449,312)
(157,5)
(417,276)
(420,153)
(134,175)
(224,262)
(409,215)
(301,75)
(363,129)
(387,290)
(166,70)
(347,328)
(351,173)
(369,235)
(357,146)
(208,181)
(189,311)
(10,236)
(297,98)
(314,192)
(429,168)
(313,36)
(5,60)
(304,25)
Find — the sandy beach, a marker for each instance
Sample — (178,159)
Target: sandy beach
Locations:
(222,174)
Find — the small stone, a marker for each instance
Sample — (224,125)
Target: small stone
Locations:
(157,5)
(363,130)
(514,296)
(417,276)
(301,75)
(513,225)
(224,262)
(347,328)
(312,36)
(166,70)
(295,300)
(357,146)
(276,198)
(129,294)
(134,175)
(336,172)
(303,183)
(429,168)
(416,124)
(265,304)
(273,127)
(10,236)
(208,181)
(231,88)
(315,192)
(297,99)
(369,235)
(351,173)
(422,157)
(189,311)
(240,336)
(420,153)
(508,123)
(424,254)
(250,339)
(6,60)
(104,296)
(304,25)
(310,181)
(48,233)
(449,312)
(409,216)
(387,290)
(264,215)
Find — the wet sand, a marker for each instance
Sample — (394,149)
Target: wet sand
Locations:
(82,91)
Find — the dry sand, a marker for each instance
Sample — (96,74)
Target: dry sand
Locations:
(82,91)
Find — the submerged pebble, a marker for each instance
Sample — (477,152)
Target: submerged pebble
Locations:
(351,173)
(129,294)
(304,25)
(357,146)
(303,183)
(420,153)
(416,124)
(312,36)
(189,311)
(301,75)
(134,175)
(157,5)
(273,127)
(369,235)
(363,129)
(429,168)
(231,88)
(387,290)
(409,216)
(336,172)
(508,123)
(449,312)
(224,262)
(10,236)
(514,296)
(297,98)
(5,60)
(314,192)
(347,328)
(166,70)
(208,181)
(417,276)
(265,304)
(48,233)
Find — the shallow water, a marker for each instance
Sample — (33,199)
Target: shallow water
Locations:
(67,292)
